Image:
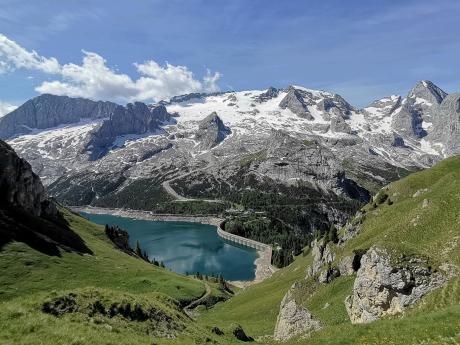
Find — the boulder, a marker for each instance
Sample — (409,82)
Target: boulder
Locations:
(293,319)
(382,288)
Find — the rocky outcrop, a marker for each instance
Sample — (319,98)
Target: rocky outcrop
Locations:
(267,95)
(19,186)
(48,111)
(322,256)
(383,288)
(135,118)
(26,214)
(293,319)
(446,125)
(211,131)
(335,105)
(416,111)
(294,101)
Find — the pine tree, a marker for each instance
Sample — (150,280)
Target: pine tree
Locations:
(138,249)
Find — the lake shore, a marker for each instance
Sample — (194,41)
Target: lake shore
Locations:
(264,269)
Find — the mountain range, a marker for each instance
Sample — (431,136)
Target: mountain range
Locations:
(309,147)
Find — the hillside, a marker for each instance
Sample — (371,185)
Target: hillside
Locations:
(420,222)
(64,282)
(104,296)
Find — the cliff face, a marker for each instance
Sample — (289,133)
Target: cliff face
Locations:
(26,214)
(47,111)
(19,186)
(134,119)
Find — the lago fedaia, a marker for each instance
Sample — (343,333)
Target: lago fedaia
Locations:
(186,247)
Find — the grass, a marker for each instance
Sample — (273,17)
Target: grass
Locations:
(29,278)
(403,227)
(25,271)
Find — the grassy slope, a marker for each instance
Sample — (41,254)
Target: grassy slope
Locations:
(402,228)
(28,278)
(435,320)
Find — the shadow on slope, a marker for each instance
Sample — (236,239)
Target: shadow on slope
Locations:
(41,234)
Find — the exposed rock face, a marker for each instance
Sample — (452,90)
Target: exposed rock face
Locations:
(346,266)
(293,319)
(322,255)
(19,186)
(211,131)
(295,102)
(382,288)
(267,95)
(416,110)
(447,124)
(135,118)
(338,124)
(48,111)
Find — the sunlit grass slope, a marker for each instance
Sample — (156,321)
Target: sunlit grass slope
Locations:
(422,219)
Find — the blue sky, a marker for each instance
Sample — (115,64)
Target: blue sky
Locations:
(362,50)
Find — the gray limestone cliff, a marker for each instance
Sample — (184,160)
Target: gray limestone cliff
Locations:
(47,111)
(211,131)
(384,288)
(19,186)
(294,319)
(135,118)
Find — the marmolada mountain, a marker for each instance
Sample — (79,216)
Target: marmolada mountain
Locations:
(229,172)
(301,175)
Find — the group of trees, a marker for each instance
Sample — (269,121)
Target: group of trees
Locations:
(219,278)
(287,241)
(144,256)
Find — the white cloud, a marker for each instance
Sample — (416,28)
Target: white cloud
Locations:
(94,79)
(6,108)
(13,56)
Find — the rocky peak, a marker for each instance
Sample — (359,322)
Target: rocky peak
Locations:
(136,118)
(267,95)
(383,107)
(446,125)
(426,90)
(211,131)
(295,102)
(48,111)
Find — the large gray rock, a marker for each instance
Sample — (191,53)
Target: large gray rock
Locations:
(48,111)
(135,118)
(19,186)
(417,110)
(446,125)
(322,256)
(382,288)
(211,131)
(267,95)
(295,102)
(293,319)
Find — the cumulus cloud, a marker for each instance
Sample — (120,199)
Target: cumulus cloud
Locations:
(6,108)
(95,79)
(13,56)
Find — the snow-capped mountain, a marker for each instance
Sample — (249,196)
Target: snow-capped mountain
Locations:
(210,145)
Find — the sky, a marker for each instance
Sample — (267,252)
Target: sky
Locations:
(148,50)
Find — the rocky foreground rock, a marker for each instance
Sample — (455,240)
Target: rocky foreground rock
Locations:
(383,288)
(293,319)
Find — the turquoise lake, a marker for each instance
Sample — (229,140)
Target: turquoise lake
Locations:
(186,247)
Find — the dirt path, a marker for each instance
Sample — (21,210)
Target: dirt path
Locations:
(188,309)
